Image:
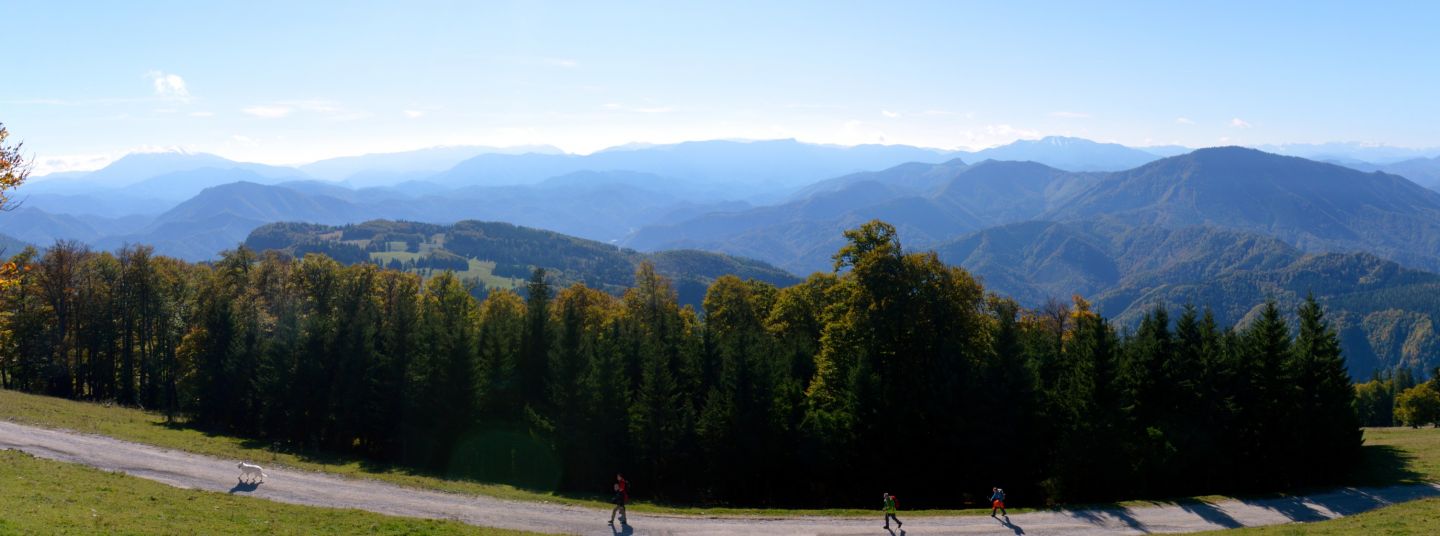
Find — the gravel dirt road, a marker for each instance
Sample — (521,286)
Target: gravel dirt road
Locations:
(317,489)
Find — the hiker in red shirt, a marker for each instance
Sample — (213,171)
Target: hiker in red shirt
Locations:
(622,496)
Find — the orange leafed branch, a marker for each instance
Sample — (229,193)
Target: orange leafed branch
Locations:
(13,170)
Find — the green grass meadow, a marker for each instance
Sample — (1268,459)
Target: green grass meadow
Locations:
(45,497)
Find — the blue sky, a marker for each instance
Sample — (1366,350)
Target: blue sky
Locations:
(290,82)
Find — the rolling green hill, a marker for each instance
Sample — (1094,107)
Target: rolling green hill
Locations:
(501,255)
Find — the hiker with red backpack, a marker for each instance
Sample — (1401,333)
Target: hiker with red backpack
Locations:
(890,505)
(622,496)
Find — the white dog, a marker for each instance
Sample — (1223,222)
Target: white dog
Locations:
(251,470)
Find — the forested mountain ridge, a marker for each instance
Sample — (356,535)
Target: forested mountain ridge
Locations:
(502,255)
(1312,205)
(1315,206)
(1128,270)
(1424,171)
(929,204)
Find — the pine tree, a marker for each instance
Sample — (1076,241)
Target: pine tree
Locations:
(534,358)
(1328,427)
(1267,401)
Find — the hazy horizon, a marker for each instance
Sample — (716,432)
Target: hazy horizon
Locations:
(280,84)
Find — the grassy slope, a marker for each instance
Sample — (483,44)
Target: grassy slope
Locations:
(46,497)
(1418,451)
(482,270)
(1392,455)
(1416,517)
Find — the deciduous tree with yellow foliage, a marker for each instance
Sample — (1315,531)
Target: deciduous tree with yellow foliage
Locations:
(13,170)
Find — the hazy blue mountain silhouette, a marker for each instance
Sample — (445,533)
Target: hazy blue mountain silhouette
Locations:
(386,169)
(1070,154)
(1311,205)
(137,167)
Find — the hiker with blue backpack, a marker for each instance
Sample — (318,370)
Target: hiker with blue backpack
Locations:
(997,502)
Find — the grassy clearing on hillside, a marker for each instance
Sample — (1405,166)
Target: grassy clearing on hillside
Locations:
(1399,455)
(1392,455)
(46,497)
(481,270)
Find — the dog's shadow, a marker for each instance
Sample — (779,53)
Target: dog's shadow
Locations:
(242,486)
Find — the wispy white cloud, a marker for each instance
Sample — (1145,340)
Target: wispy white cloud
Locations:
(244,140)
(202,114)
(890,114)
(1070,115)
(169,85)
(561,62)
(268,111)
(1240,123)
(1184,121)
(413,114)
(76,162)
(45,165)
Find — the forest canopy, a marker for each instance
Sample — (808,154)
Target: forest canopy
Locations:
(894,371)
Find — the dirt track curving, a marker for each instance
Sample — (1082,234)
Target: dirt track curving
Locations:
(318,489)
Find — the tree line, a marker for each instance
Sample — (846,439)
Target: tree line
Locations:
(894,372)
(1399,398)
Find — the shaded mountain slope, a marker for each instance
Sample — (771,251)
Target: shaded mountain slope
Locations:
(503,255)
(1126,270)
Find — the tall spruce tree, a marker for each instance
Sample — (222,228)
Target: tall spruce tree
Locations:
(1328,429)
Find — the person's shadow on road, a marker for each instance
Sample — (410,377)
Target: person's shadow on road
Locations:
(623,529)
(244,487)
(1006,522)
(892,532)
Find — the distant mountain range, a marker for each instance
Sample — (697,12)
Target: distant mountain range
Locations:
(10,245)
(1070,154)
(501,255)
(1311,205)
(1350,152)
(1129,227)
(1226,228)
(194,205)
(1424,171)
(639,194)
(394,168)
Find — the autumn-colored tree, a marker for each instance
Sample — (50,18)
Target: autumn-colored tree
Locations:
(13,171)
